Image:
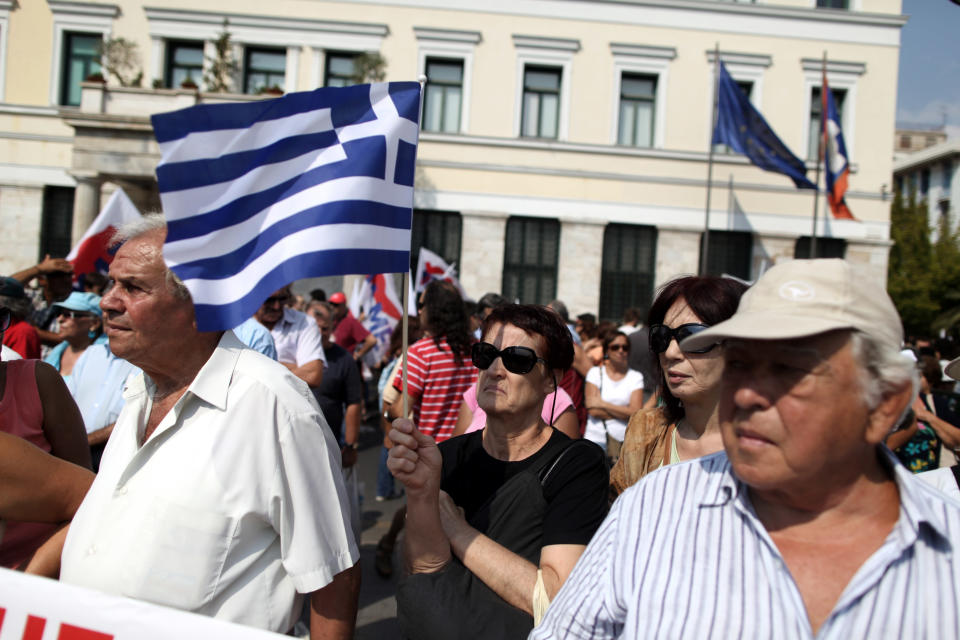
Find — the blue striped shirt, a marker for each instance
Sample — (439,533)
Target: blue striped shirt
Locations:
(682,554)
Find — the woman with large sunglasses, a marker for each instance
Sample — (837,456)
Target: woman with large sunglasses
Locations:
(613,393)
(686,425)
(497,518)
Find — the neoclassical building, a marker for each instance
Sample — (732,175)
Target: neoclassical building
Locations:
(564,146)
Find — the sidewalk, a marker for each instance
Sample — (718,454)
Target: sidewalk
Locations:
(377,616)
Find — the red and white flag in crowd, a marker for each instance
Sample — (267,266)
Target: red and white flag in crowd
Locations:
(432,267)
(375,300)
(92,253)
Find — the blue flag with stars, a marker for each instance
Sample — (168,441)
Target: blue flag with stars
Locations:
(741,127)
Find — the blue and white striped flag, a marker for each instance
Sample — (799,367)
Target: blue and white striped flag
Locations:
(260,194)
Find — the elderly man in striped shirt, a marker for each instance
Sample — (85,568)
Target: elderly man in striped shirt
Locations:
(806,525)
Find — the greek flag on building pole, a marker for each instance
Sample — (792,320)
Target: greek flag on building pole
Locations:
(260,194)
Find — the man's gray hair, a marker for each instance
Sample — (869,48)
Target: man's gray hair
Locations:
(19,307)
(884,368)
(560,308)
(150,222)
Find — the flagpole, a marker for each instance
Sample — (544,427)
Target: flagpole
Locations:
(820,150)
(405,318)
(705,248)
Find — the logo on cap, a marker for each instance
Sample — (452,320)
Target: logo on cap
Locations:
(796,290)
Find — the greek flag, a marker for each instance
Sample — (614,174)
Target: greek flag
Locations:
(260,194)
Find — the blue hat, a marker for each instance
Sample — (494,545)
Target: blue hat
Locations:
(11,288)
(82,301)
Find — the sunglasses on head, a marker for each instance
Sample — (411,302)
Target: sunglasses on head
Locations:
(518,360)
(661,335)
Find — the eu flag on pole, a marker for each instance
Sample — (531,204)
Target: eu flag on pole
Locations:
(835,156)
(741,127)
(260,194)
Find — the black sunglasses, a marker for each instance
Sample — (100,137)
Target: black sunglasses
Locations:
(518,360)
(69,313)
(5,317)
(661,335)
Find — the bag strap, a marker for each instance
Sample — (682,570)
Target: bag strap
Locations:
(548,469)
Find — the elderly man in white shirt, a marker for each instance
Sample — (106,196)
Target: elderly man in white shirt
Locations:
(220,490)
(295,334)
(806,525)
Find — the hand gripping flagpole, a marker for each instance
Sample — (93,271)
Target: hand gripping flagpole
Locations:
(405,318)
(705,247)
(821,149)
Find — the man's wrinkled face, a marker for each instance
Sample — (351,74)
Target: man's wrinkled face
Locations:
(143,319)
(271,311)
(791,410)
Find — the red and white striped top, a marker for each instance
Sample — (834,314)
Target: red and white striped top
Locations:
(435,375)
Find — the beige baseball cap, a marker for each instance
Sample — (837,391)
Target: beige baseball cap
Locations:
(804,298)
(953,369)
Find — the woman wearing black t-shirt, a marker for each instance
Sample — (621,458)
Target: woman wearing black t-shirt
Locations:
(496,519)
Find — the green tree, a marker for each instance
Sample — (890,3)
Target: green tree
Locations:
(946,275)
(369,66)
(222,67)
(910,277)
(122,61)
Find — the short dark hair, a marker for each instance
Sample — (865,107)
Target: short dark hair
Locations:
(632,314)
(318,295)
(537,321)
(930,370)
(713,298)
(610,336)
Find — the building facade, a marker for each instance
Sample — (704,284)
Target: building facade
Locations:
(564,145)
(933,176)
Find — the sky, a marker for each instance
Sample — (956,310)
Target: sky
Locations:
(929,83)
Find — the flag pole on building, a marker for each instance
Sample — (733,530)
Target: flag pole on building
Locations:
(405,318)
(821,147)
(705,247)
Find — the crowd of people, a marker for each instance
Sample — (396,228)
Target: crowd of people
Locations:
(735,462)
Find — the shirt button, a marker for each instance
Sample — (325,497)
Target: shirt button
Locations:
(92,550)
(122,491)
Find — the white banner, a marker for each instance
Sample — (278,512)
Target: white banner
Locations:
(33,608)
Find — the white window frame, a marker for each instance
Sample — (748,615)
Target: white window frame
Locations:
(292,34)
(840,75)
(655,61)
(5,7)
(453,45)
(78,17)
(547,52)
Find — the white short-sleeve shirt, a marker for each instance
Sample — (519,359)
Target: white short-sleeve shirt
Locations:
(233,507)
(615,392)
(298,338)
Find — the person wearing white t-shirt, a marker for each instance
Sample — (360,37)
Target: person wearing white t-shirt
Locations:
(296,337)
(613,393)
